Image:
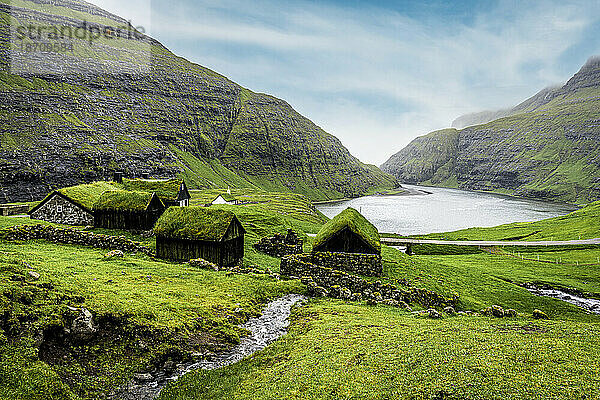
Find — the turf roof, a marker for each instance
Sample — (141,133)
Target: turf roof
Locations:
(86,195)
(166,190)
(122,200)
(353,220)
(195,223)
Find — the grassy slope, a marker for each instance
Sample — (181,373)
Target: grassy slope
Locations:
(550,152)
(334,350)
(347,351)
(352,351)
(583,223)
(171,300)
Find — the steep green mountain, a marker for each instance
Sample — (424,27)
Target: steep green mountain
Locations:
(548,149)
(124,101)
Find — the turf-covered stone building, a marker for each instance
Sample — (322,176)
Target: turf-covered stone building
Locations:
(172,192)
(186,233)
(346,243)
(129,210)
(348,232)
(72,205)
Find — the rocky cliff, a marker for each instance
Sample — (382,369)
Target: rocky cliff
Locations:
(547,148)
(77,115)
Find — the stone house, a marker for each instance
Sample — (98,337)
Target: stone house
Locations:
(70,206)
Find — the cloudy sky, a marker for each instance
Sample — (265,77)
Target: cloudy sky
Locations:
(378,74)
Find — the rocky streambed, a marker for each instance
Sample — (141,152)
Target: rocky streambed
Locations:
(264,330)
(590,305)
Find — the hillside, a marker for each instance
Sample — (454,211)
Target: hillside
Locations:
(548,149)
(129,103)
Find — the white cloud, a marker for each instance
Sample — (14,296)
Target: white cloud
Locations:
(375,78)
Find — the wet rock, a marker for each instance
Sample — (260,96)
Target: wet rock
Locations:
(539,314)
(143,377)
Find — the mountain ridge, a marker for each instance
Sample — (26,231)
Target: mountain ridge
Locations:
(550,150)
(159,113)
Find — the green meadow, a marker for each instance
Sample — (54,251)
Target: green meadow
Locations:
(159,311)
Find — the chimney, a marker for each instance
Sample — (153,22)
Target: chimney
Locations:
(145,175)
(118,177)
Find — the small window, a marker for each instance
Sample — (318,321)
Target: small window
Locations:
(59,209)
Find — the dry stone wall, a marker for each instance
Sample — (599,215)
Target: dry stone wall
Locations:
(73,236)
(325,281)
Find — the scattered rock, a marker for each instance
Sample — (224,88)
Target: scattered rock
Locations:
(432,313)
(497,311)
(114,254)
(202,263)
(538,314)
(33,275)
(83,327)
(509,312)
(449,310)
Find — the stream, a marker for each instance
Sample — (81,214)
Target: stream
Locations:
(590,305)
(264,330)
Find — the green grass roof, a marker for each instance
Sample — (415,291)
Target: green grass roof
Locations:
(86,195)
(352,219)
(196,223)
(166,190)
(226,197)
(122,200)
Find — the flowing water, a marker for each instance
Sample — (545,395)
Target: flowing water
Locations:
(444,210)
(264,330)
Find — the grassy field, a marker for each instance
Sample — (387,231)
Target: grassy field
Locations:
(338,350)
(581,224)
(334,350)
(349,351)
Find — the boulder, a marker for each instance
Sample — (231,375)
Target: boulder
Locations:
(114,254)
(539,314)
(83,327)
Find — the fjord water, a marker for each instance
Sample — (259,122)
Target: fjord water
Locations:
(445,210)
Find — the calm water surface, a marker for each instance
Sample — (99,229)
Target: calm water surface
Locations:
(445,210)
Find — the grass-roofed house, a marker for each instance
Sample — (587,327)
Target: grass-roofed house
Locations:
(186,233)
(172,192)
(72,205)
(348,232)
(130,210)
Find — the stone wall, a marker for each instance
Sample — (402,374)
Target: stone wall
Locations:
(361,264)
(280,245)
(60,211)
(325,281)
(16,209)
(73,236)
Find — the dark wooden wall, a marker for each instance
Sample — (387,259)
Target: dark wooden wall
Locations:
(143,220)
(225,253)
(346,241)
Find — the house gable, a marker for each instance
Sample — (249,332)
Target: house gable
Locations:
(59,209)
